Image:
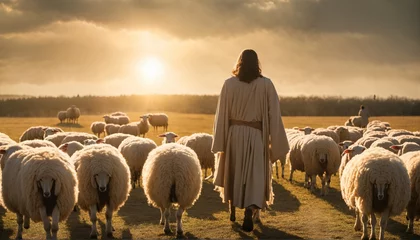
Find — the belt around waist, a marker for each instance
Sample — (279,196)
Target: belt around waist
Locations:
(256,125)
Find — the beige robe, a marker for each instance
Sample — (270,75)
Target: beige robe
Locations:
(243,171)
(364,113)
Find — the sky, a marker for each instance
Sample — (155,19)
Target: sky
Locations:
(113,47)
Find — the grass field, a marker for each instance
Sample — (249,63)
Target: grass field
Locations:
(295,214)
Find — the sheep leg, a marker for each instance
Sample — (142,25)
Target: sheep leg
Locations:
(410,218)
(162,214)
(93,219)
(55,218)
(19,220)
(384,222)
(232,212)
(327,181)
(291,176)
(211,175)
(306,183)
(277,170)
(108,216)
(167,228)
(26,222)
(313,183)
(322,185)
(358,223)
(373,226)
(46,221)
(179,229)
(365,227)
(282,170)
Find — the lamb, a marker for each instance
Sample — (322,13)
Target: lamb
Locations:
(97,128)
(412,162)
(71,147)
(38,184)
(406,147)
(62,116)
(201,144)
(327,132)
(104,180)
(375,181)
(38,143)
(131,128)
(135,151)
(159,120)
(399,132)
(348,154)
(143,125)
(172,174)
(320,155)
(168,137)
(111,128)
(116,139)
(73,114)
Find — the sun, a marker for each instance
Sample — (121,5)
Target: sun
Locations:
(150,69)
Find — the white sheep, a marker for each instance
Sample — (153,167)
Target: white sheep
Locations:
(51,131)
(116,139)
(327,132)
(88,142)
(73,114)
(345,145)
(38,143)
(383,143)
(306,130)
(168,137)
(131,128)
(348,154)
(354,133)
(38,184)
(111,128)
(135,151)
(172,175)
(320,154)
(201,144)
(104,180)
(366,141)
(5,140)
(159,120)
(33,133)
(406,147)
(377,134)
(57,138)
(97,128)
(356,121)
(62,116)
(78,137)
(143,125)
(399,132)
(294,156)
(417,133)
(110,119)
(408,138)
(71,147)
(182,140)
(375,181)
(412,162)
(343,133)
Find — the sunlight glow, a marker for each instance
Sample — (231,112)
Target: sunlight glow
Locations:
(150,70)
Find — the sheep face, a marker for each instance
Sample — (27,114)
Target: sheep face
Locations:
(144,118)
(101,181)
(46,185)
(380,195)
(49,131)
(169,137)
(306,130)
(322,158)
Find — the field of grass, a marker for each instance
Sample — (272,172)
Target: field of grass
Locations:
(295,214)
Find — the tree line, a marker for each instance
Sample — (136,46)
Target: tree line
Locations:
(204,104)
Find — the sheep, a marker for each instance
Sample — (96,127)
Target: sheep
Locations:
(135,151)
(110,119)
(408,138)
(8,150)
(111,128)
(412,162)
(343,133)
(385,144)
(399,132)
(122,120)
(131,128)
(356,121)
(118,114)
(201,144)
(320,155)
(406,147)
(73,114)
(78,137)
(97,128)
(143,125)
(366,141)
(375,181)
(71,147)
(354,133)
(62,116)
(348,154)
(182,140)
(327,132)
(373,123)
(88,142)
(377,134)
(159,120)
(38,184)
(294,156)
(416,133)
(345,145)
(116,139)
(172,174)
(168,137)
(51,131)
(33,133)
(38,143)
(104,180)
(306,130)
(348,123)
(6,141)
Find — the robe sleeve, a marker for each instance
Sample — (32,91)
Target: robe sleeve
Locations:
(278,138)
(221,122)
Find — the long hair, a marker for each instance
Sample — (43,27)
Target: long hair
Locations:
(248,66)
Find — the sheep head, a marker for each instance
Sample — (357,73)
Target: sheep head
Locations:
(169,137)
(47,186)
(101,181)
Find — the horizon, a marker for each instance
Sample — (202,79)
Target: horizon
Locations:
(110,48)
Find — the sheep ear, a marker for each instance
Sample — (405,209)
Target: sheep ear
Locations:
(93,182)
(301,129)
(346,151)
(100,140)
(312,129)
(341,144)
(396,147)
(175,135)
(162,135)
(64,147)
(3,151)
(43,129)
(57,187)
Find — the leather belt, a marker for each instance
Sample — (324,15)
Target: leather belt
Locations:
(256,125)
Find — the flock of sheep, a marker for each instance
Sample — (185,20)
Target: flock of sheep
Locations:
(71,115)
(49,171)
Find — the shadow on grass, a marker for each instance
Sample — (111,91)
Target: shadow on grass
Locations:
(263,232)
(78,228)
(69,125)
(126,234)
(208,203)
(399,229)
(4,233)
(136,210)
(284,200)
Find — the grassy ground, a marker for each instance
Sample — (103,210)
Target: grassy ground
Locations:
(295,214)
